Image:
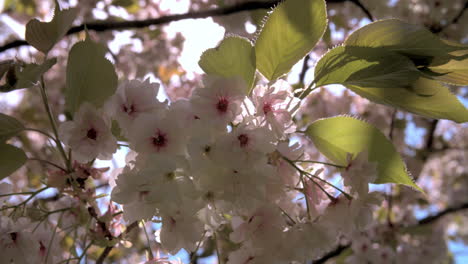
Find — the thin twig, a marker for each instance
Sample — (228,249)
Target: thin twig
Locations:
(48,162)
(53,124)
(41,132)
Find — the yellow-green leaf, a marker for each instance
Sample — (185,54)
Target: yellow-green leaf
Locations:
(44,35)
(414,41)
(367,67)
(234,56)
(389,78)
(291,31)
(90,76)
(337,136)
(454,71)
(425,97)
(11,159)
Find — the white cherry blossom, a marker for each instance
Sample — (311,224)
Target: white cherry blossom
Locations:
(273,103)
(89,135)
(359,173)
(219,102)
(180,229)
(131,99)
(157,134)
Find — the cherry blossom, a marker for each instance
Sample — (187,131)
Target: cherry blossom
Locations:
(131,99)
(219,102)
(89,135)
(157,134)
(273,104)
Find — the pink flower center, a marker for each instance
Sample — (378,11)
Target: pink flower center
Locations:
(243,140)
(159,140)
(13,236)
(92,134)
(142,195)
(222,104)
(42,249)
(267,108)
(129,110)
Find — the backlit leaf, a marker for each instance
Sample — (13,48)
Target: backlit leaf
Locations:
(291,31)
(234,56)
(44,35)
(368,67)
(425,97)
(413,41)
(335,137)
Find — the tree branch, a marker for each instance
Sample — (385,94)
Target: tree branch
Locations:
(363,8)
(439,28)
(433,218)
(105,25)
(305,68)
(460,14)
(427,220)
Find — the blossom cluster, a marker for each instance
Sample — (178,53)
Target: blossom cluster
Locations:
(225,163)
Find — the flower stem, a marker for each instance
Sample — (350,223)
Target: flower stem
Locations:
(48,162)
(150,252)
(320,162)
(41,132)
(53,236)
(27,200)
(45,100)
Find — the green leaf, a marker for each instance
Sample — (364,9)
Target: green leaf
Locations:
(389,78)
(90,76)
(234,56)
(337,136)
(44,35)
(21,76)
(9,127)
(454,71)
(11,159)
(367,67)
(425,97)
(31,73)
(291,31)
(413,41)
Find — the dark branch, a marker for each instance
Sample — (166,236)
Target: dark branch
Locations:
(427,220)
(460,14)
(223,11)
(121,25)
(336,252)
(305,67)
(363,8)
(439,28)
(433,218)
(431,134)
